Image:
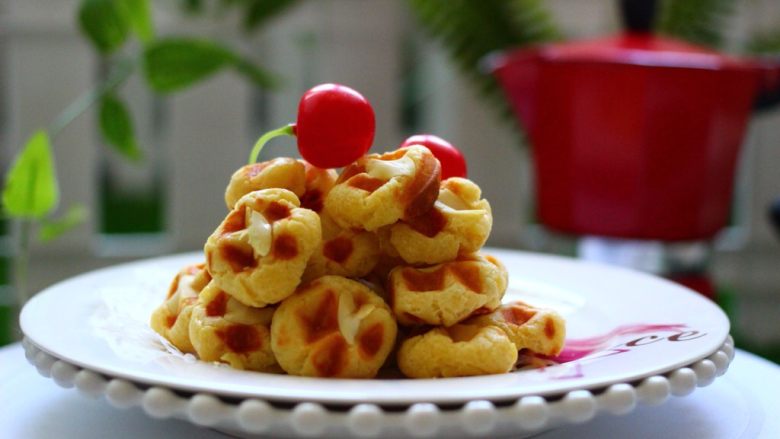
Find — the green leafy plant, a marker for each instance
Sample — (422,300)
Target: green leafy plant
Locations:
(698,21)
(765,43)
(254,12)
(471,30)
(169,64)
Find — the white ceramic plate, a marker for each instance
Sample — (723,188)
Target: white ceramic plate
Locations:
(622,327)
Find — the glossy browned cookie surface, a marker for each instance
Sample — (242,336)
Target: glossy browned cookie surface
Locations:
(276,211)
(422,192)
(338,249)
(517,314)
(240,338)
(468,273)
(428,224)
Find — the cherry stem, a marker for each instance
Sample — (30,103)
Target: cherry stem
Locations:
(287,130)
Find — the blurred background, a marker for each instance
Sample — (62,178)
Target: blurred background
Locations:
(406,57)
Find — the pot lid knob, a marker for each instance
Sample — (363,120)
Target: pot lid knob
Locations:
(638,15)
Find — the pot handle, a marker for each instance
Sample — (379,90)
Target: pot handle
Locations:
(768,95)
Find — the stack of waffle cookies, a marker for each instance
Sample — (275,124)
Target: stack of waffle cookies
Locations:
(314,273)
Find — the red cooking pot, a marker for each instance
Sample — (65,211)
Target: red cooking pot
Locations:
(635,135)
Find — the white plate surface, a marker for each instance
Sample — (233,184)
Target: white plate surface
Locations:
(630,325)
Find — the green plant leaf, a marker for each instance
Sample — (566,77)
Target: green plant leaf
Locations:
(117,127)
(104,23)
(54,228)
(698,21)
(258,12)
(139,16)
(176,63)
(31,184)
(172,64)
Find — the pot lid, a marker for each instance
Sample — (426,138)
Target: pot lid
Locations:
(638,45)
(644,49)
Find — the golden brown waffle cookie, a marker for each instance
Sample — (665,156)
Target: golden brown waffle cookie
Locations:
(344,252)
(225,330)
(282,172)
(172,318)
(539,330)
(259,252)
(460,350)
(333,327)
(458,223)
(378,190)
(447,293)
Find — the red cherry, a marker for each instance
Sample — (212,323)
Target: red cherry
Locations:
(335,126)
(453,164)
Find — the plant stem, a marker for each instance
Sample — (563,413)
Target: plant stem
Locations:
(21,262)
(287,130)
(118,75)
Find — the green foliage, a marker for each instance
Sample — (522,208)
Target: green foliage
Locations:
(470,30)
(532,22)
(52,229)
(31,190)
(254,13)
(765,43)
(698,21)
(104,23)
(172,64)
(117,127)
(107,23)
(139,16)
(257,12)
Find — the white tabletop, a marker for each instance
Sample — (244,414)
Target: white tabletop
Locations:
(741,404)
